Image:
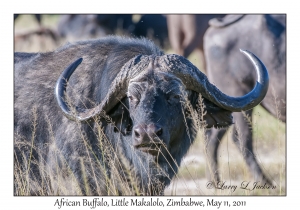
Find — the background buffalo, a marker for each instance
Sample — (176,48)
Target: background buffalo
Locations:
(266,36)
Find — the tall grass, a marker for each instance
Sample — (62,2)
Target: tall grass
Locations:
(57,177)
(113,174)
(269,148)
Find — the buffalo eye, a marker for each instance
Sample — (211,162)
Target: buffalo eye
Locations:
(173,98)
(176,96)
(128,128)
(133,100)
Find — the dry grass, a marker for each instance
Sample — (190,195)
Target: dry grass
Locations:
(57,177)
(269,145)
(270,150)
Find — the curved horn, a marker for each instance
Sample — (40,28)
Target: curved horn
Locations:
(61,86)
(197,81)
(115,93)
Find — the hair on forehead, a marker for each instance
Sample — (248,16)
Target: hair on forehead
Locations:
(166,82)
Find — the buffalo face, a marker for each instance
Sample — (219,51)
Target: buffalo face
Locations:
(156,110)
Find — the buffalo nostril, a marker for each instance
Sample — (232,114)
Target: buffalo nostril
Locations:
(159,132)
(136,133)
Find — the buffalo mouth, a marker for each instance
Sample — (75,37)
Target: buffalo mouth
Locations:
(151,148)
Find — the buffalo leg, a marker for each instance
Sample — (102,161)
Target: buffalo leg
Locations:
(242,137)
(214,137)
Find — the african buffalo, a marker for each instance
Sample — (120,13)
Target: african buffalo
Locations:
(80,27)
(265,35)
(186,32)
(94,25)
(113,115)
(153,26)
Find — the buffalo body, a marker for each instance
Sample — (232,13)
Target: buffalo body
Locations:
(265,35)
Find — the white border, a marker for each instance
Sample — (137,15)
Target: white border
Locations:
(8,201)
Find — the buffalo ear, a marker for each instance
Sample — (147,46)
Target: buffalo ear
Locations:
(121,118)
(214,115)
